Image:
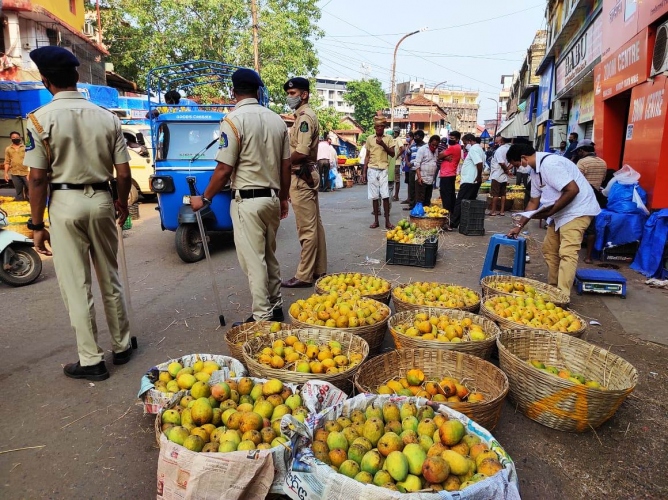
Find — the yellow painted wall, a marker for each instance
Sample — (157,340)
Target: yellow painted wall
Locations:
(61,9)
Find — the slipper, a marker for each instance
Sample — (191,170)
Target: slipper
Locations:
(502,215)
(448,229)
(374,225)
(389,227)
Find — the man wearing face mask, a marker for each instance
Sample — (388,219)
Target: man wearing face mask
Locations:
(451,156)
(426,170)
(418,142)
(75,146)
(14,156)
(572,146)
(304,186)
(471,176)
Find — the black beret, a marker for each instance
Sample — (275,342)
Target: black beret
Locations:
(246,78)
(52,58)
(297,83)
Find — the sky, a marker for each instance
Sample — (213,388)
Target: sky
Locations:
(468,43)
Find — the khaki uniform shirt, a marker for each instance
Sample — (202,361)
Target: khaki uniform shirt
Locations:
(304,133)
(86,140)
(14,157)
(377,157)
(262,145)
(594,169)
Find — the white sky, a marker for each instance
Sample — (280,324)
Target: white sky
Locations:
(469,43)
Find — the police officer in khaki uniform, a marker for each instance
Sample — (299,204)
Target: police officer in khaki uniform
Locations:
(74,146)
(254,152)
(304,186)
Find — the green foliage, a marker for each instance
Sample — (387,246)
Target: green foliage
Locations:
(143,34)
(368,97)
(329,119)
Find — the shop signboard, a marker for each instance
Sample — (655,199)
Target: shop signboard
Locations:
(651,10)
(627,67)
(574,114)
(586,107)
(545,95)
(529,107)
(580,57)
(620,24)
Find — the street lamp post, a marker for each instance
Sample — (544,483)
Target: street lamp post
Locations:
(394,68)
(431,108)
(498,116)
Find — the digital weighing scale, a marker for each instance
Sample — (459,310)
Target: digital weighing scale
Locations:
(600,281)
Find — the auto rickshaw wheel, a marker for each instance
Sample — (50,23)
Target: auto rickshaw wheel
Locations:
(189,243)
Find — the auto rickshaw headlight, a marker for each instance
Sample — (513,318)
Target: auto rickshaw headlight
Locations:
(162,184)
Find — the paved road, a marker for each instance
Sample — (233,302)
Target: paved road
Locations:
(94,441)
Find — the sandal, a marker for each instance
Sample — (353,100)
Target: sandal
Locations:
(502,214)
(374,225)
(389,227)
(492,214)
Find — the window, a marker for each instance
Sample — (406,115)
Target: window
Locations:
(331,104)
(339,104)
(455,101)
(73,6)
(331,94)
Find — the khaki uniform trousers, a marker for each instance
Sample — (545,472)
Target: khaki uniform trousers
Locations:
(255,222)
(311,233)
(560,249)
(83,228)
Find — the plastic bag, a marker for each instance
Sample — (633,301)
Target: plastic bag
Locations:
(338,183)
(332,174)
(627,199)
(418,210)
(625,175)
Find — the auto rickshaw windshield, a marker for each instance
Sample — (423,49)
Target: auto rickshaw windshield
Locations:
(182,141)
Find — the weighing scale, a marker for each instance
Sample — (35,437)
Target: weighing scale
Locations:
(600,281)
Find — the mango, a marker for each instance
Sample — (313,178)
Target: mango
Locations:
(396,464)
(452,483)
(489,466)
(371,462)
(427,427)
(256,392)
(200,390)
(410,484)
(356,452)
(407,410)
(349,468)
(391,412)
(390,442)
(178,434)
(416,457)
(362,441)
(227,446)
(337,440)
(381,477)
(435,470)
(451,432)
(425,442)
(201,411)
(171,417)
(264,408)
(410,423)
(364,477)
(484,455)
(373,430)
(458,464)
(246,445)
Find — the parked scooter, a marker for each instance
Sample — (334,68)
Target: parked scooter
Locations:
(20,264)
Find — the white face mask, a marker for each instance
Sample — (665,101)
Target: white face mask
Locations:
(294,102)
(468,147)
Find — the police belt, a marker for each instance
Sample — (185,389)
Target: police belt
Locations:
(246,194)
(65,186)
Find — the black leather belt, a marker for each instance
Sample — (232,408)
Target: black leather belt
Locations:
(64,186)
(255,193)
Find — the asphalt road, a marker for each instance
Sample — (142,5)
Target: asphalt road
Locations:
(90,440)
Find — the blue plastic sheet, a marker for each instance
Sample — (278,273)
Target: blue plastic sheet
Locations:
(620,198)
(649,257)
(418,210)
(618,229)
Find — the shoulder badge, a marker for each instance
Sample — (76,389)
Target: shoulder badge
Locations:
(30,142)
(304,126)
(223,142)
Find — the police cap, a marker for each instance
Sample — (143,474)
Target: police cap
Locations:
(297,83)
(52,58)
(245,78)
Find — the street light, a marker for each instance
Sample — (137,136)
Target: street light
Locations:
(498,115)
(394,68)
(431,108)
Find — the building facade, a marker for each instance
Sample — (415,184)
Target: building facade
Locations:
(631,125)
(331,90)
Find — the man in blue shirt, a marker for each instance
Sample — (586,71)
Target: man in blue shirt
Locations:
(572,146)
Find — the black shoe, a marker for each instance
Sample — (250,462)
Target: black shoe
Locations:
(239,323)
(120,358)
(277,315)
(96,372)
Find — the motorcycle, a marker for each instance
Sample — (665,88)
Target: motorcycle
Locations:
(20,264)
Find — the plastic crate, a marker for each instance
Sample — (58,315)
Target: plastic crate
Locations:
(472,222)
(620,253)
(404,254)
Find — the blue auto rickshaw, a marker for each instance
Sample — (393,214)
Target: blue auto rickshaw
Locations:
(185,142)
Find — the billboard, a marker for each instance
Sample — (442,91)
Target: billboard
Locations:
(580,57)
(627,66)
(545,95)
(620,24)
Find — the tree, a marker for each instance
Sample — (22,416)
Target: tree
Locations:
(368,97)
(328,118)
(143,34)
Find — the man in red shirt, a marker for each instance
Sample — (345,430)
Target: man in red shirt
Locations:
(450,157)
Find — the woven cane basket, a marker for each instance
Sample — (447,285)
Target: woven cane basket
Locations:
(477,374)
(236,337)
(509,324)
(401,305)
(350,343)
(430,222)
(483,349)
(550,293)
(373,334)
(556,402)
(380,297)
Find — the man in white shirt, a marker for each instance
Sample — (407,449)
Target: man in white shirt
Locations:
(471,176)
(569,206)
(426,169)
(499,177)
(324,159)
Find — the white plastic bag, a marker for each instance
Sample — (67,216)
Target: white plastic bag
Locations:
(625,175)
(638,201)
(338,183)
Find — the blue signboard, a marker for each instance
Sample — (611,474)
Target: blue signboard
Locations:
(545,95)
(530,103)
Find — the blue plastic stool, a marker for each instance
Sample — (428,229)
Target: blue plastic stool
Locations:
(491,267)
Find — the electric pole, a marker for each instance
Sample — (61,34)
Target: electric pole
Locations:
(256,48)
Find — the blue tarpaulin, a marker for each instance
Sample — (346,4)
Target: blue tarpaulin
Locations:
(618,229)
(649,257)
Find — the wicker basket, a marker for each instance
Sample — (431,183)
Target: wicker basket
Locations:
(483,349)
(236,337)
(559,403)
(350,343)
(430,222)
(508,324)
(556,296)
(373,334)
(436,364)
(400,305)
(380,297)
